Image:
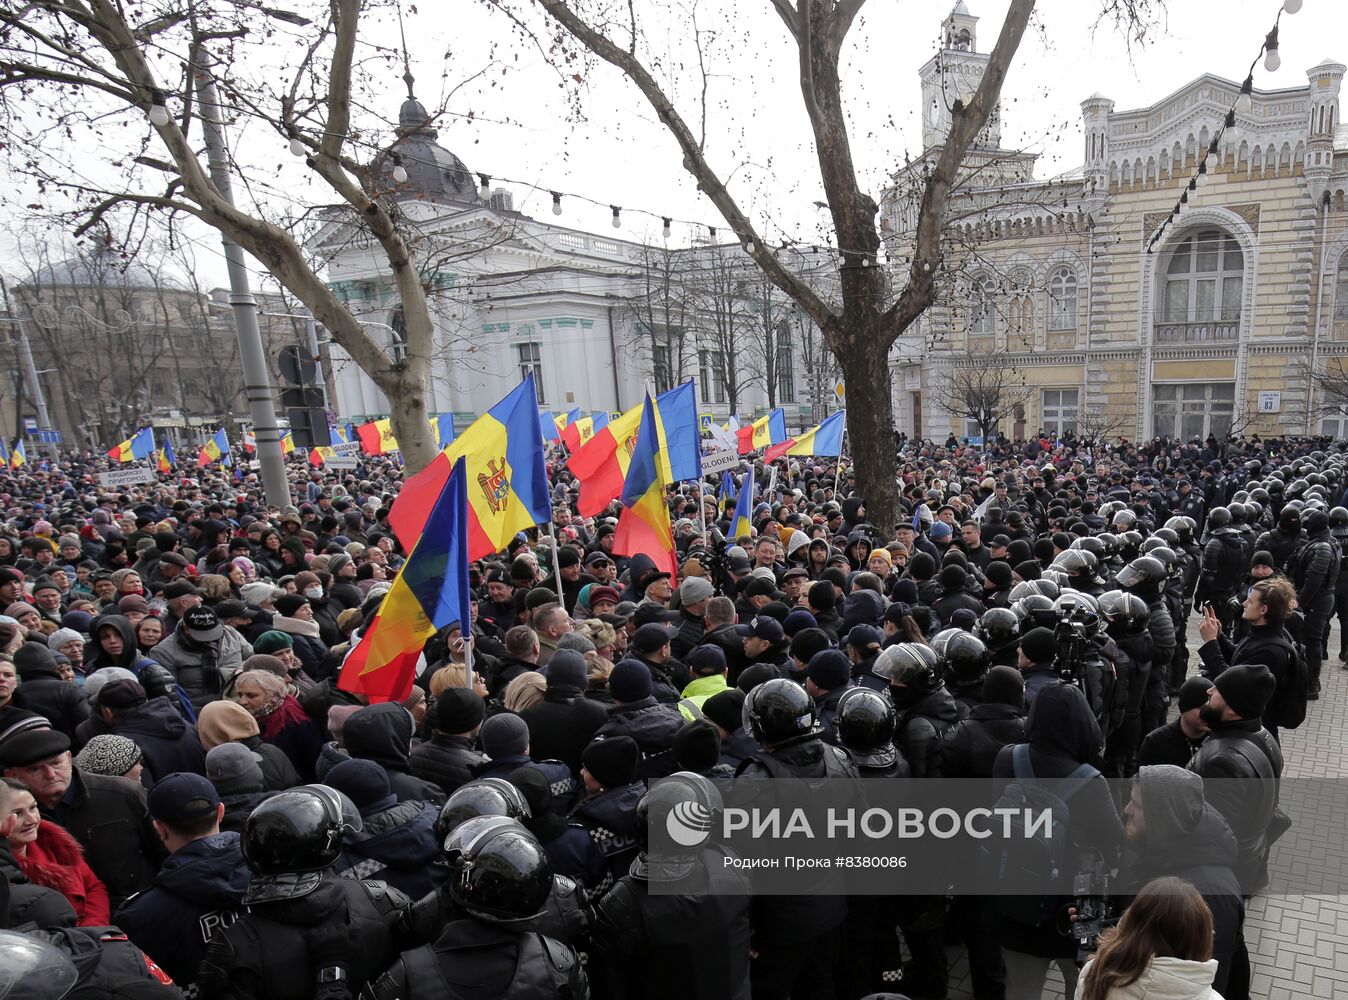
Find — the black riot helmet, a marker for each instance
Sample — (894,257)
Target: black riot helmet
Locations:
(1289,521)
(912,664)
(1338,518)
(1035,611)
(779,711)
(1045,588)
(966,660)
(1218,517)
(1183,527)
(33,969)
(998,628)
(1091,544)
(1237,511)
(1125,612)
(504,875)
(692,798)
(483,797)
(1167,535)
(865,720)
(298,831)
(1144,571)
(1076,563)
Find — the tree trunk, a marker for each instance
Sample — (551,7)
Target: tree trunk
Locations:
(870,428)
(406,392)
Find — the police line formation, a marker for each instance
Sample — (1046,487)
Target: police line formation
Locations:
(192,803)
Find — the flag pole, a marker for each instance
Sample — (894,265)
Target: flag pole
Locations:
(837,476)
(702,512)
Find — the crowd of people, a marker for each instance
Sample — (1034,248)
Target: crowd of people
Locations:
(190,801)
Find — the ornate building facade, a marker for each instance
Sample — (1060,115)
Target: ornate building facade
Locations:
(1116,315)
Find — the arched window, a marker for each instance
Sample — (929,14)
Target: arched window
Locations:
(1062,299)
(1201,298)
(1341,300)
(983,308)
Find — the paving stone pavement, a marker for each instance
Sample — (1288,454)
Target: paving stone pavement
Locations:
(1298,944)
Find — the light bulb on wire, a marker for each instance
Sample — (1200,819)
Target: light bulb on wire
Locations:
(665,231)
(1272,60)
(1291,6)
(484,187)
(1231,130)
(556,203)
(159,113)
(617,222)
(1243,101)
(399,171)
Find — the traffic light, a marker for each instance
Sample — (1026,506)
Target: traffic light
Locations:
(304,398)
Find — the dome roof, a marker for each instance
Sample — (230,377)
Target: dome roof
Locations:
(434,174)
(101,269)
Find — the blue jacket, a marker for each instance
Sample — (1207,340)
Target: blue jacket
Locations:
(566,790)
(395,845)
(610,817)
(198,890)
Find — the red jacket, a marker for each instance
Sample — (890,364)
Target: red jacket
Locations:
(56,861)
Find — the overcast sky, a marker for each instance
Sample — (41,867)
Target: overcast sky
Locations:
(522,132)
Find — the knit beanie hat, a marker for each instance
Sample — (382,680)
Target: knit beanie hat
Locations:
(567,670)
(1247,687)
(1005,686)
(1039,645)
(221,722)
(505,735)
(1194,692)
(829,669)
(273,640)
(365,783)
(108,754)
(726,709)
(630,681)
(697,746)
(234,769)
(459,710)
(62,636)
(613,761)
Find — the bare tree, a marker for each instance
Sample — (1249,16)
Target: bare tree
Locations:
(861,330)
(720,315)
(99,67)
(983,389)
(1097,427)
(660,313)
(767,332)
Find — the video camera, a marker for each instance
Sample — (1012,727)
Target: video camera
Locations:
(1079,659)
(1095,913)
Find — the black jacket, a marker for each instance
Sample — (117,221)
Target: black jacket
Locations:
(42,691)
(562,724)
(610,817)
(970,747)
(198,890)
(396,845)
(383,733)
(278,773)
(109,818)
(918,734)
(446,760)
(1243,749)
(1167,745)
(652,724)
(686,937)
(168,743)
(1266,644)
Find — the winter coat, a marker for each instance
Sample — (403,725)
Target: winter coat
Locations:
(1164,979)
(278,773)
(42,691)
(1243,749)
(1267,644)
(445,760)
(383,733)
(1316,568)
(739,746)
(198,890)
(565,788)
(652,724)
(691,629)
(108,816)
(167,742)
(970,747)
(55,861)
(919,731)
(191,662)
(318,662)
(562,725)
(609,817)
(396,845)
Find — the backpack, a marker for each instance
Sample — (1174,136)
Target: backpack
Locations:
(1040,860)
(1287,709)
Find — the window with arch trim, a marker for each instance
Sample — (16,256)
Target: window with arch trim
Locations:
(1202,284)
(1340,325)
(1062,299)
(983,308)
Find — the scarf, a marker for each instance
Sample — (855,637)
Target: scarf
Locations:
(287,712)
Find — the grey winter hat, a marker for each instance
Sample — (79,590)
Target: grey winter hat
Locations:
(93,684)
(504,735)
(109,755)
(62,636)
(577,642)
(233,769)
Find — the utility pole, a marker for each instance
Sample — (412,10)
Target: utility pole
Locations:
(256,378)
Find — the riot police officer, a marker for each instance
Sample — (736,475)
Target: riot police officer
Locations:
(308,932)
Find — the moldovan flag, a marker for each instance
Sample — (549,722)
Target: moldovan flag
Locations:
(602,463)
(507,478)
(19,456)
(550,426)
(376,437)
(577,430)
(824,439)
(214,450)
(643,525)
(728,491)
(139,445)
(166,459)
(763,432)
(741,522)
(429,592)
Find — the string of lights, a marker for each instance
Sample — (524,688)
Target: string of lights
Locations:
(1230,127)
